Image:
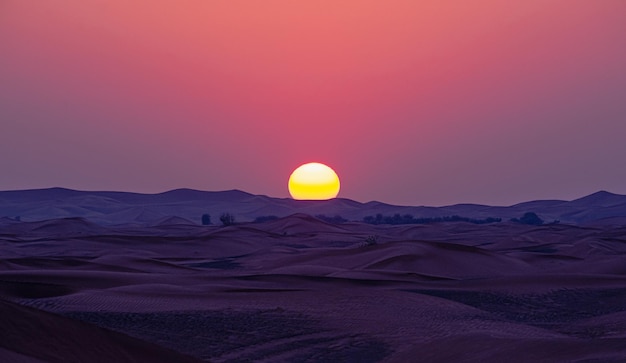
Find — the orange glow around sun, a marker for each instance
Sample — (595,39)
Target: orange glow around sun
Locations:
(313,181)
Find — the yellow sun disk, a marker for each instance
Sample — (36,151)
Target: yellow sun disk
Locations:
(314,181)
(308,191)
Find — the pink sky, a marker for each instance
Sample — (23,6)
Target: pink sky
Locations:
(411,102)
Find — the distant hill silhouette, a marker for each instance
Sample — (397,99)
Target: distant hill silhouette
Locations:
(188,205)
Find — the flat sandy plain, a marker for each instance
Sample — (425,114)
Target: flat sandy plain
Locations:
(298,289)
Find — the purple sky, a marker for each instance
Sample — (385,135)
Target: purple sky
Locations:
(415,103)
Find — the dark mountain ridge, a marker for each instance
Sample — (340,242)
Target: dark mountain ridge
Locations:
(111,207)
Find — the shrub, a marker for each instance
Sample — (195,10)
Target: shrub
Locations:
(370,241)
(227,219)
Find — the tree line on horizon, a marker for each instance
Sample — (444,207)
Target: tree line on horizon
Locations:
(395,219)
(409,219)
(529,218)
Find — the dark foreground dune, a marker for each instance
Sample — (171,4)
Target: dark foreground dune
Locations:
(301,290)
(30,335)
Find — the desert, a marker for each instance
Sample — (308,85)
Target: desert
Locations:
(296,288)
(312,181)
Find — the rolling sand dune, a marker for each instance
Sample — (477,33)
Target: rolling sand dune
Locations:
(299,289)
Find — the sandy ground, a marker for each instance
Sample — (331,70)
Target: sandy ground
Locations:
(300,290)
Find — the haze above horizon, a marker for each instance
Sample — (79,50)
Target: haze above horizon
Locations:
(411,103)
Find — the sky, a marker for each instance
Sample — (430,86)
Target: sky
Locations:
(410,102)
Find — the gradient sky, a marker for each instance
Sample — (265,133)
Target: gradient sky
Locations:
(411,102)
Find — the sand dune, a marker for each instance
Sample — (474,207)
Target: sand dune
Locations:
(301,223)
(30,335)
(300,289)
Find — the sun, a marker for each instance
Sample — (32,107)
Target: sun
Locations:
(313,181)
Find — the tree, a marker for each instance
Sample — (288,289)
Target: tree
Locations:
(227,219)
(529,218)
(379,219)
(206,219)
(337,219)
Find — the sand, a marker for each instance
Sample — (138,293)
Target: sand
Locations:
(299,289)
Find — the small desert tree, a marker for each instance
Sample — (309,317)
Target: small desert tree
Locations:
(227,219)
(206,219)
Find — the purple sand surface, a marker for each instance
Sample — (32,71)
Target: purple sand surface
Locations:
(300,289)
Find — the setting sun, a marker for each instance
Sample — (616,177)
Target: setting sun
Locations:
(313,181)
